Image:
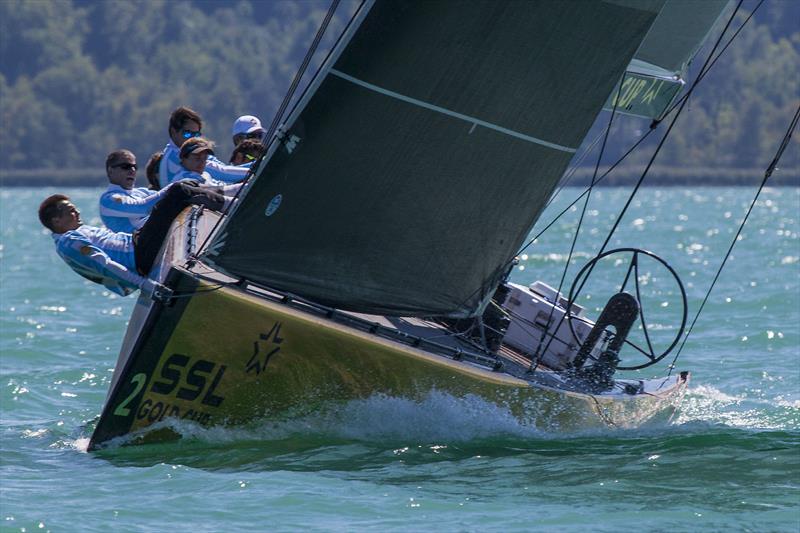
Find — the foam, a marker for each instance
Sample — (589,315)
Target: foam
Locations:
(706,403)
(438,417)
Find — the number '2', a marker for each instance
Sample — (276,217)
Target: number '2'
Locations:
(122,408)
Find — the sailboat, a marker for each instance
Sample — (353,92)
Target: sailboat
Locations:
(370,248)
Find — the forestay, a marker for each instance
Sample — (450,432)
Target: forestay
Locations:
(426,151)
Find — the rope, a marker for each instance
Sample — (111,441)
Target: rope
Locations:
(702,72)
(539,351)
(641,178)
(568,175)
(269,137)
(586,191)
(658,148)
(767,174)
(653,126)
(299,74)
(190,294)
(666,135)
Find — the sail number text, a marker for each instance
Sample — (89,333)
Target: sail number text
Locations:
(185,380)
(197,380)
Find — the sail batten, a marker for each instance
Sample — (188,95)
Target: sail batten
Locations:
(428,150)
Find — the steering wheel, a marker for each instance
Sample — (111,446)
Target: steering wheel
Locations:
(649,352)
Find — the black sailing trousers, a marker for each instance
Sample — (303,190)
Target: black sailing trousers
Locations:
(148,239)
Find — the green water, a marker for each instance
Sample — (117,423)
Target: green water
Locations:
(730,460)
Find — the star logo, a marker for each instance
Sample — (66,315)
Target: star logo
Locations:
(266,347)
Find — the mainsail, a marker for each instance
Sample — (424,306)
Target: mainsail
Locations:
(426,150)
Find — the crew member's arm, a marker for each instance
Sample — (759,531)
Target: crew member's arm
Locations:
(114,204)
(108,267)
(226,173)
(231,190)
(94,263)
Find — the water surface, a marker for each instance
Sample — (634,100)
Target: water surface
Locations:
(729,460)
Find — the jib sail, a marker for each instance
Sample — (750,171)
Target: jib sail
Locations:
(656,75)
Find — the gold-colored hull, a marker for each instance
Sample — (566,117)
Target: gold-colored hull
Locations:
(223,356)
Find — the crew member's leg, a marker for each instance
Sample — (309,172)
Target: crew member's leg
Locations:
(151,235)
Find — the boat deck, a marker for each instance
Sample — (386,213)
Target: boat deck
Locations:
(192,228)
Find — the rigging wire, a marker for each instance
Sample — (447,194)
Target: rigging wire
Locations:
(308,86)
(646,170)
(270,137)
(773,164)
(568,176)
(539,351)
(636,187)
(299,74)
(586,191)
(654,124)
(635,190)
(703,71)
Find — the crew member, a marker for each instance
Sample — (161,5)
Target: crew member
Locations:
(194,156)
(184,123)
(247,127)
(124,207)
(247,151)
(151,170)
(120,261)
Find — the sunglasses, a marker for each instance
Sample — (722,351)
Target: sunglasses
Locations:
(126,166)
(65,208)
(189,134)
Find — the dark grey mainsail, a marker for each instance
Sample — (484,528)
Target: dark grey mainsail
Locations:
(427,150)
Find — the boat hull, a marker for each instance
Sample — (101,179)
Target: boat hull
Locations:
(223,356)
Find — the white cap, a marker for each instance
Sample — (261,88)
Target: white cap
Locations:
(246,124)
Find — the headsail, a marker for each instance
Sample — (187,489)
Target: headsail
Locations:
(656,75)
(427,151)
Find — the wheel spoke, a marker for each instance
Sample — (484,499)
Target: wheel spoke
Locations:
(632,271)
(634,262)
(641,310)
(649,355)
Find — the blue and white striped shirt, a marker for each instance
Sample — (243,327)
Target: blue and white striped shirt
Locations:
(127,210)
(171,166)
(101,256)
(205,178)
(207,181)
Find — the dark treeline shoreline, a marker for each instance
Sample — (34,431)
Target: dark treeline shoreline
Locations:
(68,75)
(657,177)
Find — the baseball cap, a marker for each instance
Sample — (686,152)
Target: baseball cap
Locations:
(196,145)
(246,124)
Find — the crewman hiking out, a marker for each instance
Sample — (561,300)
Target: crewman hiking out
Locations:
(120,261)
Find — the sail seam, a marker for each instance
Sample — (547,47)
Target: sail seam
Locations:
(472,120)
